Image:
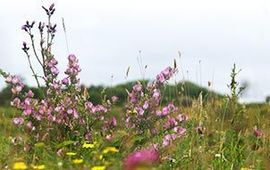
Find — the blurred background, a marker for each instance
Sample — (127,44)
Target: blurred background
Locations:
(110,36)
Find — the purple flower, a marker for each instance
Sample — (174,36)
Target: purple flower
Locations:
(156,95)
(165,111)
(65,81)
(172,107)
(88,136)
(115,99)
(59,108)
(75,114)
(15,80)
(27,111)
(54,71)
(114,122)
(140,110)
(137,87)
(160,78)
(29,125)
(30,94)
(55,85)
(72,58)
(166,74)
(16,89)
(180,131)
(18,121)
(16,102)
(181,118)
(145,105)
(70,111)
(171,122)
(109,137)
(42,110)
(159,113)
(167,139)
(132,97)
(99,108)
(73,69)
(142,158)
(27,101)
(165,142)
(25,48)
(51,28)
(51,63)
(88,105)
(41,26)
(9,79)
(51,7)
(24,27)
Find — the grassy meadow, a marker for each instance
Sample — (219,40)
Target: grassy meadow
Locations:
(142,125)
(218,145)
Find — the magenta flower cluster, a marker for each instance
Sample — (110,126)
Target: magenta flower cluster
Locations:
(144,112)
(72,70)
(16,83)
(165,75)
(65,109)
(142,158)
(64,105)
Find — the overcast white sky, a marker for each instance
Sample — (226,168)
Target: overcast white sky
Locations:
(107,35)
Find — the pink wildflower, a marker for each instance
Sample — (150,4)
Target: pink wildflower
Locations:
(65,81)
(142,158)
(137,87)
(257,132)
(165,111)
(115,99)
(18,121)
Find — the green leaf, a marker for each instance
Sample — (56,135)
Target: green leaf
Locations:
(4,74)
(40,145)
(65,143)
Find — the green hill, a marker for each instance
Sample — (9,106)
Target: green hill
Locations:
(180,93)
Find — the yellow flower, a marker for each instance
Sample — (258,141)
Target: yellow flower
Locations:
(38,166)
(19,165)
(134,111)
(100,157)
(77,161)
(98,168)
(71,153)
(110,149)
(88,145)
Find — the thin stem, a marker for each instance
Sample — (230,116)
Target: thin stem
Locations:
(34,48)
(50,43)
(41,77)
(64,28)
(48,34)
(42,53)
(37,57)
(31,67)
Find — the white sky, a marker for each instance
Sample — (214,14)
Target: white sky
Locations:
(107,35)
